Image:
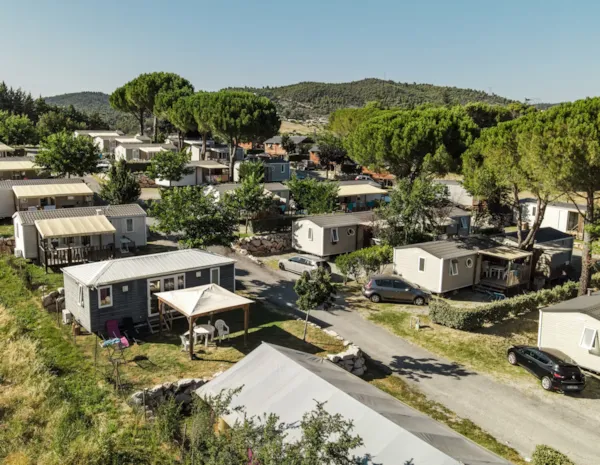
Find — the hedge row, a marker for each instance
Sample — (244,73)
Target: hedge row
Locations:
(544,455)
(444,313)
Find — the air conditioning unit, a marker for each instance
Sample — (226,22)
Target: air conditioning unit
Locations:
(67,317)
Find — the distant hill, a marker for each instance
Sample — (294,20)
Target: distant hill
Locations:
(308,100)
(92,102)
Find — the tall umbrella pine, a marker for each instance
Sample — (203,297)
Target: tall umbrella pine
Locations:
(314,289)
(242,116)
(201,106)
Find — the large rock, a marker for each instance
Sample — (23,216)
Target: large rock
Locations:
(333,358)
(48,299)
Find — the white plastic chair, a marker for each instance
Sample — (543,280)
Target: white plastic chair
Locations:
(185,343)
(222,329)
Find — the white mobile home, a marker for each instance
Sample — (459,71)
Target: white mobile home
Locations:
(140,151)
(129,222)
(13,168)
(326,235)
(564,216)
(7,196)
(203,172)
(52,196)
(572,327)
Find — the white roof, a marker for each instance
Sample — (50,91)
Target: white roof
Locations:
(359,189)
(75,226)
(51,190)
(6,164)
(105,134)
(288,383)
(211,164)
(202,300)
(144,266)
(152,149)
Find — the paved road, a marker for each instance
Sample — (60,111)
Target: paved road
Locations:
(518,418)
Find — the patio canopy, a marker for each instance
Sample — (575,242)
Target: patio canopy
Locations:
(209,164)
(20,165)
(198,301)
(506,253)
(75,226)
(359,189)
(51,190)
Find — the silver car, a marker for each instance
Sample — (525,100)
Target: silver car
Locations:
(301,263)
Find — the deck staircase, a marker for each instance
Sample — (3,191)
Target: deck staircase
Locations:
(167,321)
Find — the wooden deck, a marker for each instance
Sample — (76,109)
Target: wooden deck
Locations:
(75,255)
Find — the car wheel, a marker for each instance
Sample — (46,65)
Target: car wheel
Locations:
(282,266)
(375,298)
(419,301)
(512,358)
(547,383)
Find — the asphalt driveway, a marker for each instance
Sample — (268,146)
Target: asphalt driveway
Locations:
(520,419)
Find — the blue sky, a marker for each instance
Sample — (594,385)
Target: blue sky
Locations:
(544,50)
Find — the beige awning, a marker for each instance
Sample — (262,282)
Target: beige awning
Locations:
(505,252)
(51,190)
(76,226)
(21,165)
(202,300)
(209,164)
(360,189)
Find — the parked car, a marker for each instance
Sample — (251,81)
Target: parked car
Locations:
(363,177)
(307,165)
(301,263)
(392,288)
(557,371)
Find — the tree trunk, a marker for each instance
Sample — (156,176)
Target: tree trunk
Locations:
(586,255)
(155,129)
(305,325)
(203,152)
(232,150)
(540,211)
(180,141)
(517,206)
(141,121)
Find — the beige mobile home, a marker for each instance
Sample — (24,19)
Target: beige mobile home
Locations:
(326,235)
(5,150)
(572,327)
(17,168)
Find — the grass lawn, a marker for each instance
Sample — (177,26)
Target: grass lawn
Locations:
(7,230)
(160,359)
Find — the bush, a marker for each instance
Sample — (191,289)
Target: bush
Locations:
(595,281)
(364,262)
(444,313)
(544,455)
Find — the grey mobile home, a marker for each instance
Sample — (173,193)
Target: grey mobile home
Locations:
(116,289)
(326,235)
(572,327)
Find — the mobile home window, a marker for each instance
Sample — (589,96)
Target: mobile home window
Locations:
(453,267)
(464,222)
(215,276)
(310,234)
(588,338)
(421,264)
(129,225)
(533,210)
(283,168)
(335,235)
(80,295)
(105,296)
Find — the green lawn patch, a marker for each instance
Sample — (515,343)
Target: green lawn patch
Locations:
(7,230)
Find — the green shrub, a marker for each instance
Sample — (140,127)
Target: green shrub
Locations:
(444,313)
(544,455)
(595,281)
(364,262)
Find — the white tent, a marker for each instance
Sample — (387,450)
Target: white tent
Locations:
(288,383)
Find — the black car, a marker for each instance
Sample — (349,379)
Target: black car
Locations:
(391,288)
(556,370)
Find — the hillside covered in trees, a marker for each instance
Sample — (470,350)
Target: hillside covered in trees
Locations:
(307,100)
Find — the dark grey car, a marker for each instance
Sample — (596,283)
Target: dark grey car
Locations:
(394,289)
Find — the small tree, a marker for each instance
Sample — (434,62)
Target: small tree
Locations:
(250,197)
(169,166)
(313,196)
(16,129)
(196,217)
(252,168)
(64,154)
(364,262)
(287,143)
(331,150)
(121,187)
(314,289)
(545,455)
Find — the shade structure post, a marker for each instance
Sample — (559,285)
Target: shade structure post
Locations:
(160,316)
(246,323)
(191,336)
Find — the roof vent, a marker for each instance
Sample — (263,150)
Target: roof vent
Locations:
(98,211)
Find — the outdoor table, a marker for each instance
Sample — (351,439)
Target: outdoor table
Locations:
(499,270)
(205,331)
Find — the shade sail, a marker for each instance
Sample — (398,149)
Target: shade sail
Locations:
(78,226)
(16,165)
(202,300)
(360,189)
(51,190)
(506,253)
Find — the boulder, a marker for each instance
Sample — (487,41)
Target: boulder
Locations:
(183,384)
(61,291)
(48,300)
(255,242)
(358,371)
(136,399)
(333,358)
(183,398)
